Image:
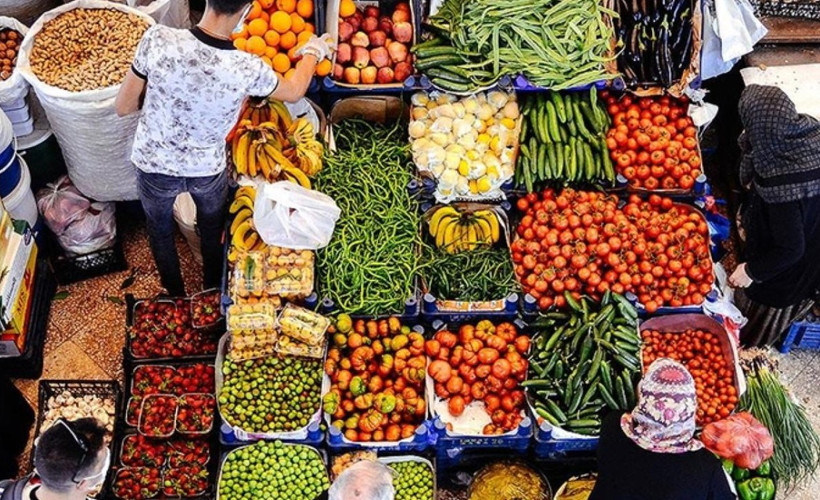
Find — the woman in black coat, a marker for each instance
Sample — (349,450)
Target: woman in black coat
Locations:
(780,275)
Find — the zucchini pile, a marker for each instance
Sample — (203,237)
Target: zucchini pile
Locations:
(585,363)
(563,138)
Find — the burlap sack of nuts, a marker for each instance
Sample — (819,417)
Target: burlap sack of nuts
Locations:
(75,58)
(13,88)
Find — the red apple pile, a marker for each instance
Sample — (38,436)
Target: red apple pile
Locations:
(374,47)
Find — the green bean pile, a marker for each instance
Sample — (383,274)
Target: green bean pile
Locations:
(369,267)
(485,273)
(553,43)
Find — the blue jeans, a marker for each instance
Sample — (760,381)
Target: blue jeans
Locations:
(157,194)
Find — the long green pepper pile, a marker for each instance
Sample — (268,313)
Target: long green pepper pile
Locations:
(553,43)
(485,273)
(370,265)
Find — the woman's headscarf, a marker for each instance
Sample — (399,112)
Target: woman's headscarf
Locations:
(664,419)
(781,147)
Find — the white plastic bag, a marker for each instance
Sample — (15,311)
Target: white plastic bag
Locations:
(95,142)
(81,226)
(365,480)
(60,204)
(730,31)
(15,88)
(288,215)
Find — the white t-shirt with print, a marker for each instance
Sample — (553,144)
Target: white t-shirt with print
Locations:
(195,88)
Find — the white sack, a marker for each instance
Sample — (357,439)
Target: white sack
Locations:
(96,143)
(16,87)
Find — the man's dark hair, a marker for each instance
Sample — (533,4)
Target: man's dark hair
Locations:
(58,456)
(228,7)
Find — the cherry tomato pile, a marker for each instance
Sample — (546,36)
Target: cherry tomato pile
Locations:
(581,242)
(484,362)
(652,142)
(700,352)
(376,370)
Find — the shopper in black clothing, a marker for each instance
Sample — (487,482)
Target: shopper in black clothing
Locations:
(781,219)
(651,453)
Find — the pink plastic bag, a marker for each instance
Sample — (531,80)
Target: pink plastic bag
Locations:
(740,438)
(81,227)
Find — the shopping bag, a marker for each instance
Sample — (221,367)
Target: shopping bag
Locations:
(290,216)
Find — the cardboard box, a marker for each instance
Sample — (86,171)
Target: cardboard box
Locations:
(16,285)
(6,230)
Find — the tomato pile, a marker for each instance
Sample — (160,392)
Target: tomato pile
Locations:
(376,369)
(653,142)
(581,242)
(700,352)
(485,363)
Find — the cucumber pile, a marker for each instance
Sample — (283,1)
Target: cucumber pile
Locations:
(449,69)
(585,362)
(563,138)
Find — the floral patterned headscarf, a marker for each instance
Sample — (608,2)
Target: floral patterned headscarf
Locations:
(664,419)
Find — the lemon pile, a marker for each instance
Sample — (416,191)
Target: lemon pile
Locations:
(466,143)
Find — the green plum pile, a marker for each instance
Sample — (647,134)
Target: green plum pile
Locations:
(270,394)
(413,481)
(273,470)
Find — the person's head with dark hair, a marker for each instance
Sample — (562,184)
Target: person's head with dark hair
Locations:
(71,458)
(228,7)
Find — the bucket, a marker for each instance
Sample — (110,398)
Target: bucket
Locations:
(185,215)
(20,203)
(23,128)
(6,139)
(18,115)
(43,156)
(10,175)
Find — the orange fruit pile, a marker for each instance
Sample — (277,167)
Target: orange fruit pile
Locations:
(275,29)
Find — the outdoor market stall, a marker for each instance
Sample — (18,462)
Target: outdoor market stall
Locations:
(461,252)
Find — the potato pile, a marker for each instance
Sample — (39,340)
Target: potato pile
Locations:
(86,49)
(9,46)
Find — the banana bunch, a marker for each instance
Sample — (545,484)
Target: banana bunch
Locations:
(257,112)
(455,231)
(257,150)
(243,234)
(306,152)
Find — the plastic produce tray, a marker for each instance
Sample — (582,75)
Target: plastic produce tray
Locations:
(435,308)
(322,454)
(211,466)
(422,439)
(311,433)
(449,444)
(130,304)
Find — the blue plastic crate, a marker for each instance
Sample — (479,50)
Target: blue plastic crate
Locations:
(227,438)
(449,447)
(803,334)
(412,309)
(557,449)
(423,439)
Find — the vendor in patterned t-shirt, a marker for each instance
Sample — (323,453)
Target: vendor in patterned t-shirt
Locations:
(190,85)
